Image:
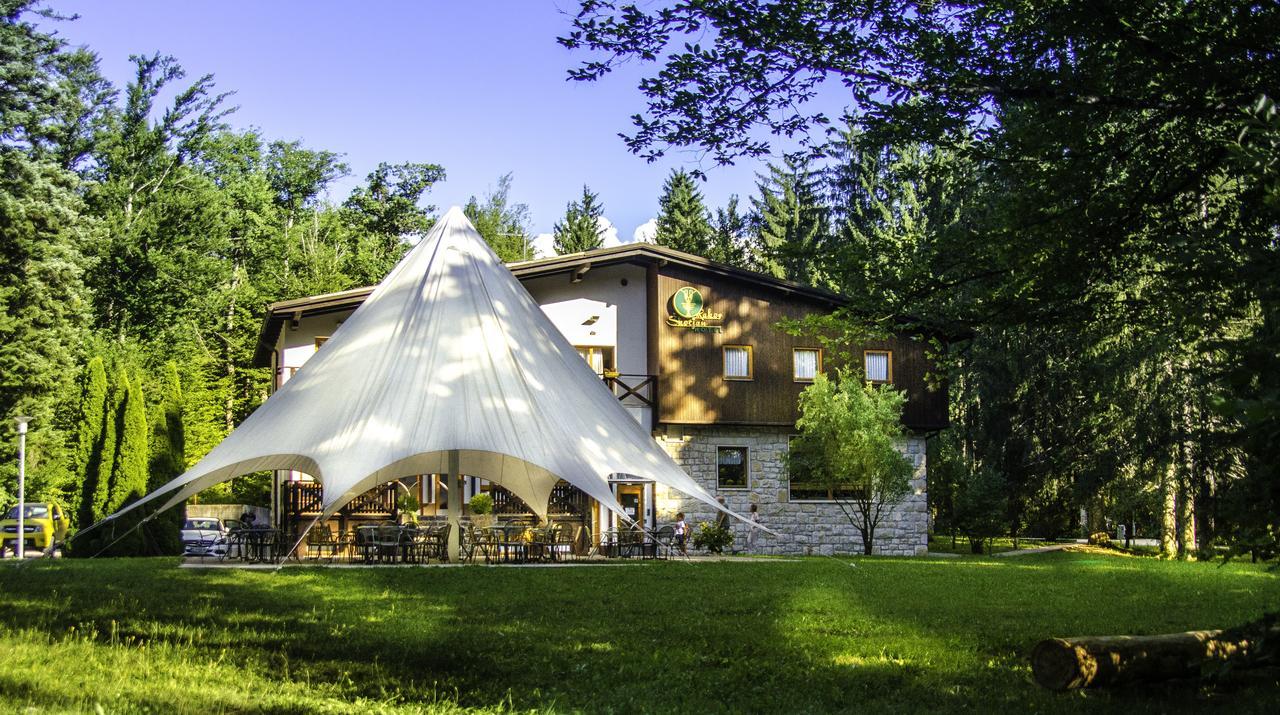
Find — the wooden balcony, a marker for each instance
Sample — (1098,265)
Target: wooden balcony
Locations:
(638,388)
(307,498)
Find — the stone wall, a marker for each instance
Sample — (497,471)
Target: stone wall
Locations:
(804,527)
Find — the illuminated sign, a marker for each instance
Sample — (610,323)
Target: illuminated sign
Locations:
(689,312)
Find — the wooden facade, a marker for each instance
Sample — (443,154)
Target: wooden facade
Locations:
(690,360)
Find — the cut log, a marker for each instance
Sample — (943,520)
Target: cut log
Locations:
(1067,663)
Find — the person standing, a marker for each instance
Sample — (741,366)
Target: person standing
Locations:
(753,532)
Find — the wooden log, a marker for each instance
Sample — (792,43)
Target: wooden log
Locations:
(1098,661)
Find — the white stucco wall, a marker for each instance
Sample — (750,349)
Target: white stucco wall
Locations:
(621,323)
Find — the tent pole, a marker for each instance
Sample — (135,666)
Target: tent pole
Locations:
(455,505)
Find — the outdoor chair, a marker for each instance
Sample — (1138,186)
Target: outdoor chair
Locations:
(387,543)
(664,542)
(235,545)
(320,540)
(441,547)
(422,544)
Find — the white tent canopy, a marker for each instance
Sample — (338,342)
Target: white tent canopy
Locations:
(449,354)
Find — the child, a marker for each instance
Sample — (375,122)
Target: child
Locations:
(682,531)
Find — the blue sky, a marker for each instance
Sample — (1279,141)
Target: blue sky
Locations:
(478,87)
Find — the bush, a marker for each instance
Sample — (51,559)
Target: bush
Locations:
(481,504)
(1100,538)
(712,538)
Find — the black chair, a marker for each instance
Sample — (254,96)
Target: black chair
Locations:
(664,542)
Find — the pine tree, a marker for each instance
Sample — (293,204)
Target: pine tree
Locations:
(793,223)
(580,229)
(683,222)
(168,447)
(91,416)
(729,232)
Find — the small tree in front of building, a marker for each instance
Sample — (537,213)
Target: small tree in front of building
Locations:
(847,442)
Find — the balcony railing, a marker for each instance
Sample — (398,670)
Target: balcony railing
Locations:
(639,387)
(307,498)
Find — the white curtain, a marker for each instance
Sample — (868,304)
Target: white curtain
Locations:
(806,364)
(737,362)
(877,367)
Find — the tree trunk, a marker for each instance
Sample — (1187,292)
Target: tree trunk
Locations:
(1067,663)
(1169,509)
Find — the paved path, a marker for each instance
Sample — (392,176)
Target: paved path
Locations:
(1037,550)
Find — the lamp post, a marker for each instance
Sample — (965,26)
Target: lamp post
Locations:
(22,421)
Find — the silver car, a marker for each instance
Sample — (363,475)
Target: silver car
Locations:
(204,536)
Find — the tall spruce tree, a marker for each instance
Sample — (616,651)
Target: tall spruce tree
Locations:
(580,229)
(729,236)
(792,223)
(683,221)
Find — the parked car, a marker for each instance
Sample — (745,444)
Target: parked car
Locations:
(204,536)
(44,524)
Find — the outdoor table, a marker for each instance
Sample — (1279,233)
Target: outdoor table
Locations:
(511,543)
(259,543)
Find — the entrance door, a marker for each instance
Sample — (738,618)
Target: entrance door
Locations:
(631,497)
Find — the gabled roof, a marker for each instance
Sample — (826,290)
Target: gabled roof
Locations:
(634,253)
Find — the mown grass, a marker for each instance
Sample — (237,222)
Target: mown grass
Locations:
(816,635)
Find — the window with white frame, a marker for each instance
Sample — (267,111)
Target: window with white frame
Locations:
(806,363)
(879,365)
(737,362)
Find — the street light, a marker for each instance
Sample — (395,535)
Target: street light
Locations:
(22,421)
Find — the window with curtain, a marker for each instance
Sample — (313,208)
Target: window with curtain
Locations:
(731,467)
(806,364)
(737,362)
(877,364)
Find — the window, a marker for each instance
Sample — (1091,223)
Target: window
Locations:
(879,365)
(731,467)
(737,362)
(599,358)
(804,486)
(806,364)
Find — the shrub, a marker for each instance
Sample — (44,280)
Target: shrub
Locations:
(712,538)
(481,504)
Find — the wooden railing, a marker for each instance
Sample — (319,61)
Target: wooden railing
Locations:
(641,387)
(308,498)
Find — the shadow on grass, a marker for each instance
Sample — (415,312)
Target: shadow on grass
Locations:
(813,636)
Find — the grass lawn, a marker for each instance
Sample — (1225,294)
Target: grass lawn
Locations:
(815,635)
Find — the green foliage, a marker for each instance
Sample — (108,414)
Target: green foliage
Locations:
(729,237)
(848,435)
(385,213)
(163,535)
(792,223)
(90,432)
(129,469)
(579,230)
(481,504)
(712,537)
(504,225)
(683,221)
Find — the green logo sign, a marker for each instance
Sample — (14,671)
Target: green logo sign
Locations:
(687,302)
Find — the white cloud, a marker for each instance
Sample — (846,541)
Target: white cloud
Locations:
(610,232)
(646,231)
(543,245)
